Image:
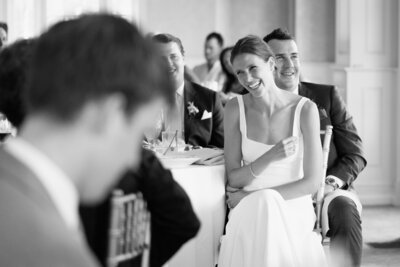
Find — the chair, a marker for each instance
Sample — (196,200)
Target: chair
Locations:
(129,234)
(321,191)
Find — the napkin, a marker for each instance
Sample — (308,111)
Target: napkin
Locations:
(207,156)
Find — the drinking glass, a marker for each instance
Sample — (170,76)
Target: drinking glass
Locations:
(153,133)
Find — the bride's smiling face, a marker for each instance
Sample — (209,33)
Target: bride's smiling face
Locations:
(253,72)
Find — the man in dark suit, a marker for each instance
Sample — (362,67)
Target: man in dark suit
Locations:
(173,221)
(84,126)
(198,110)
(346,157)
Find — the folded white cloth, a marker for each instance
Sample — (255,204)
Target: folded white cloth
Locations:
(327,200)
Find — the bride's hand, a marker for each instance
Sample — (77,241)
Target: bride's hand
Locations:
(233,198)
(284,148)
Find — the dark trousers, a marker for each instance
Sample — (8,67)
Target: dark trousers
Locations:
(345,229)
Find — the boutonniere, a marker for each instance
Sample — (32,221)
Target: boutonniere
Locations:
(192,109)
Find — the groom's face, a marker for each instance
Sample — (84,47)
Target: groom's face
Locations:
(287,63)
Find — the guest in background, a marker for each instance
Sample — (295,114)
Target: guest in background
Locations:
(231,86)
(84,126)
(3,34)
(14,67)
(346,156)
(210,73)
(198,111)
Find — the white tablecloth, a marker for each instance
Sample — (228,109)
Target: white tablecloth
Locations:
(205,186)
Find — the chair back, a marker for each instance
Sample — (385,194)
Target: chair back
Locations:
(129,233)
(321,191)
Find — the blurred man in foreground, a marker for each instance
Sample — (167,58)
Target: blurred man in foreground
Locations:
(88,105)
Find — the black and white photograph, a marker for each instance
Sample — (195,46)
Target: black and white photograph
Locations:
(187,133)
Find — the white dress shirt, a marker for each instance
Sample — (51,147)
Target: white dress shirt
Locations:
(175,119)
(60,188)
(213,78)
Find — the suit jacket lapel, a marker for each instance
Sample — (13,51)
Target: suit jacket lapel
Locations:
(304,91)
(188,96)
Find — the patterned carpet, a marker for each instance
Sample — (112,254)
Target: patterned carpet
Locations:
(380,224)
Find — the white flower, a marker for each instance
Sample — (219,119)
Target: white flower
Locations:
(192,109)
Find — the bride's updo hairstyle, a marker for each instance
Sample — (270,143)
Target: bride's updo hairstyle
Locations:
(251,44)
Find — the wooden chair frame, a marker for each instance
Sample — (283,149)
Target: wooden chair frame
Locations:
(321,191)
(129,234)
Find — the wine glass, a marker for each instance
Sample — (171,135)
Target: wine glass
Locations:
(152,134)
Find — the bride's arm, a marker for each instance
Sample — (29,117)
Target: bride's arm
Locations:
(238,176)
(312,161)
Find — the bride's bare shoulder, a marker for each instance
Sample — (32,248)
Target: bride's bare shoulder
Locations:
(309,113)
(232,105)
(232,109)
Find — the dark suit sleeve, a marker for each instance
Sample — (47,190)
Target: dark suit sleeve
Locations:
(350,161)
(217,136)
(172,217)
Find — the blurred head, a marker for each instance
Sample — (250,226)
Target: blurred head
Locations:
(287,64)
(213,46)
(15,62)
(3,33)
(253,64)
(106,88)
(225,59)
(172,53)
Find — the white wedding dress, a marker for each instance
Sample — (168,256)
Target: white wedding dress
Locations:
(264,229)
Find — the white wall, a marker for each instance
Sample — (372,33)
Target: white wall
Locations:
(366,68)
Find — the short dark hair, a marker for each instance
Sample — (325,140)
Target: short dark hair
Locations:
(15,62)
(251,44)
(278,34)
(4,26)
(217,36)
(166,38)
(221,59)
(90,57)
(230,78)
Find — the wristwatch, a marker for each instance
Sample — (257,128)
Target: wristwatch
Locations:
(332,182)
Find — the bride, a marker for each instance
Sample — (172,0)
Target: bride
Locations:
(273,160)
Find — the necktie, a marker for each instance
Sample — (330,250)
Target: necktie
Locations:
(174,116)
